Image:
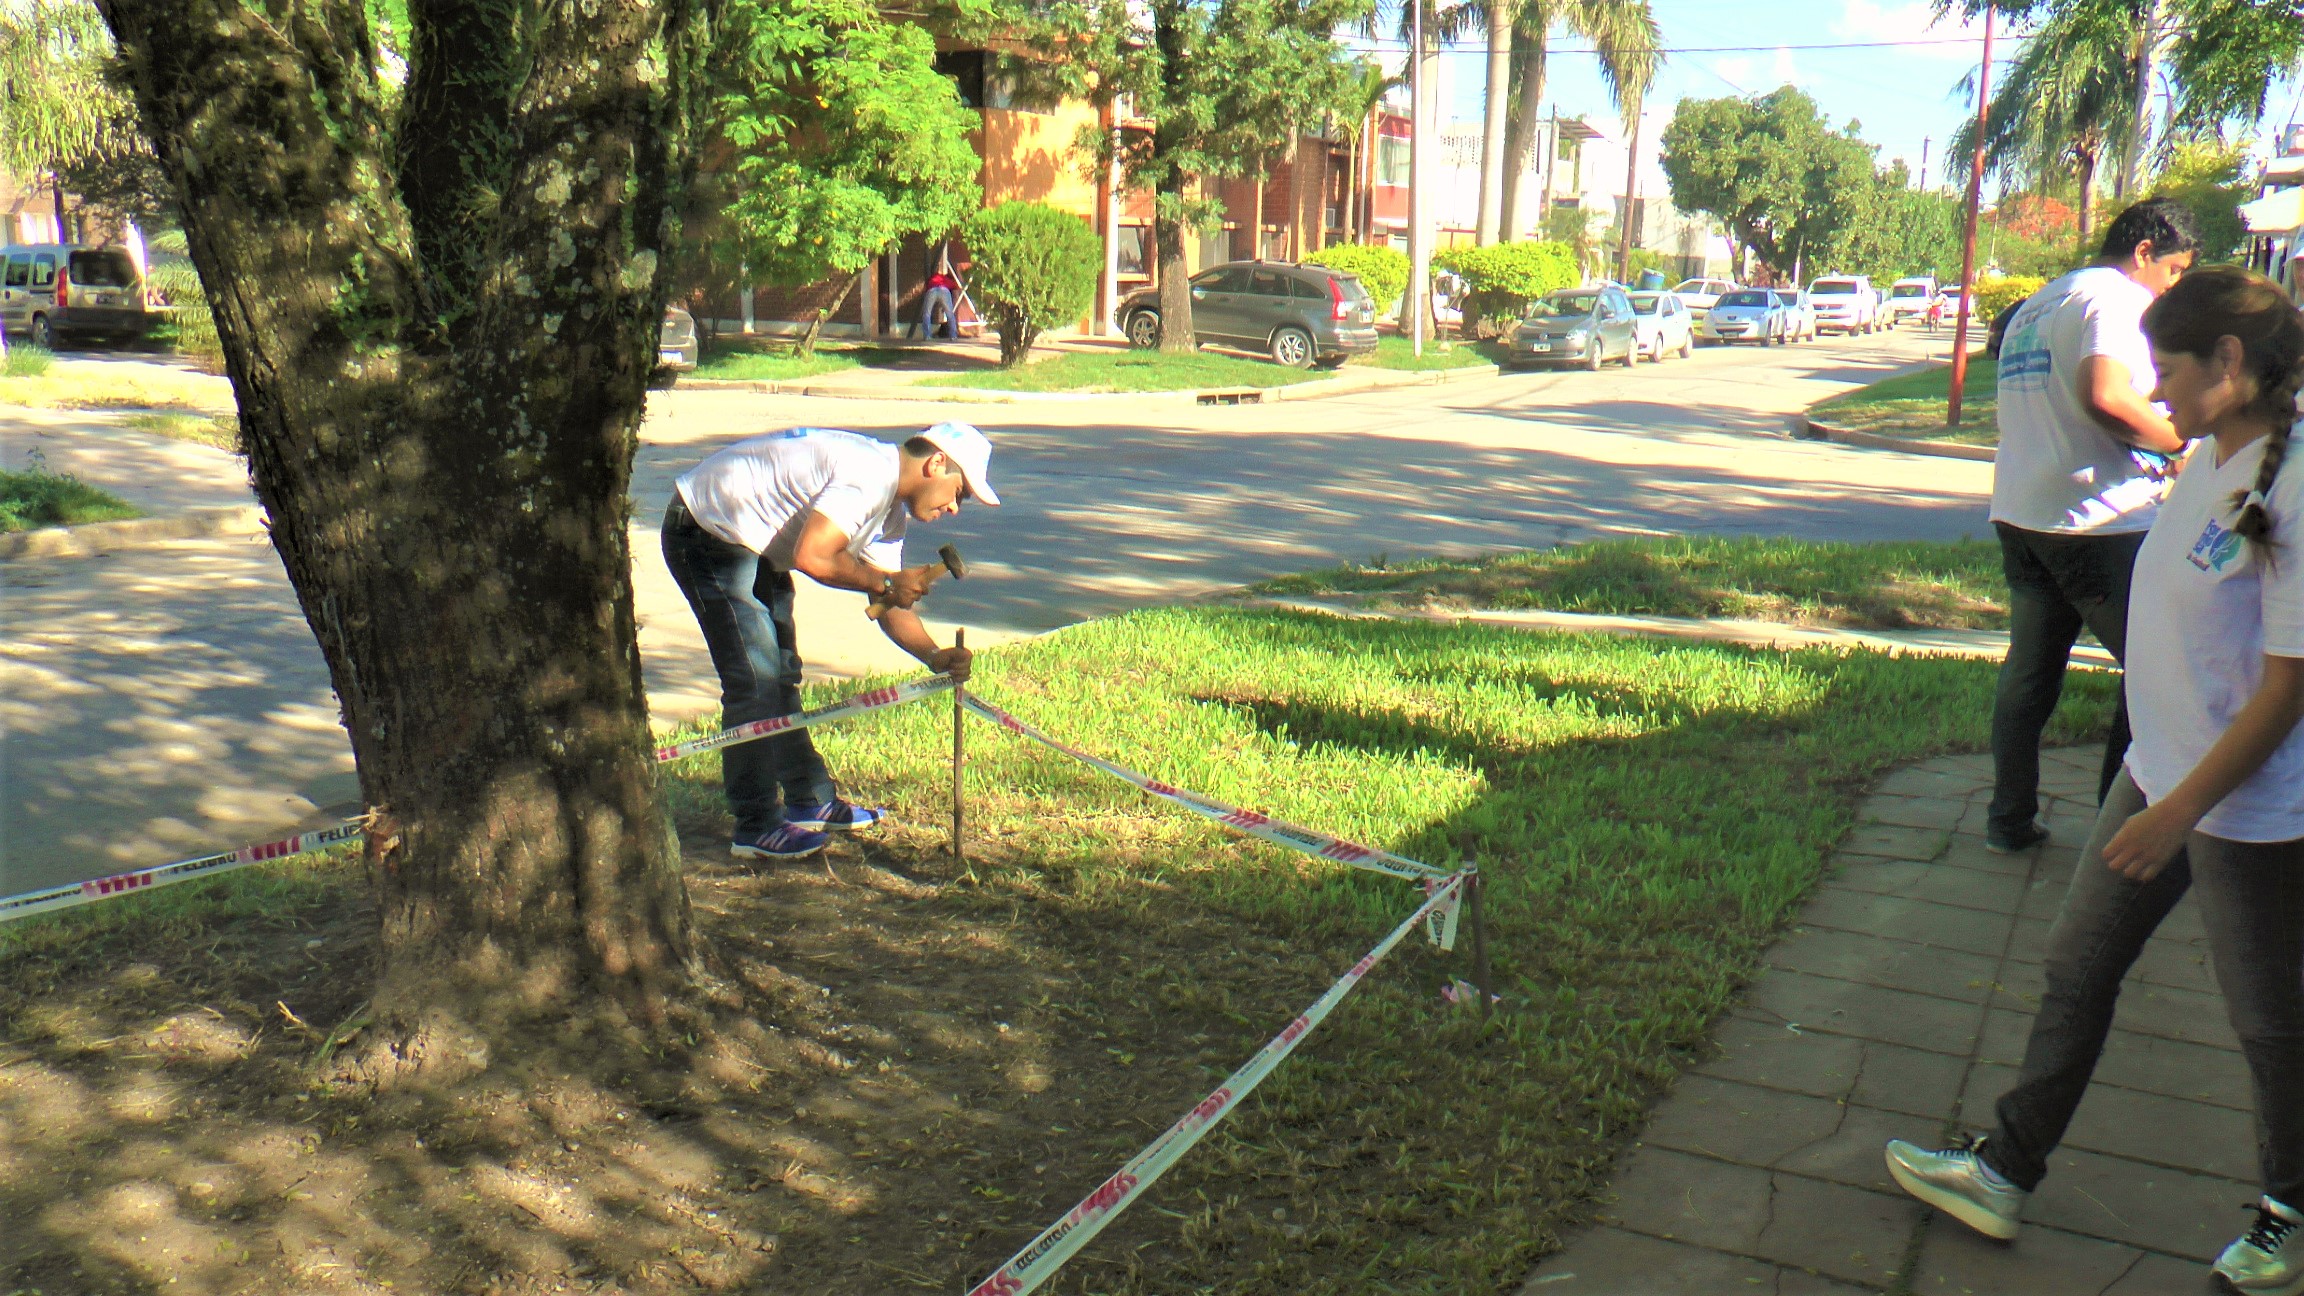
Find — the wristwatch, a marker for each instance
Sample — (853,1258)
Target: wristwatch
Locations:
(888,587)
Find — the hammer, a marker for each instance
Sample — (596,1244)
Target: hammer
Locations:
(952,563)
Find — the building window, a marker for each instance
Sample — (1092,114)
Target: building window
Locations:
(1134,239)
(1392,161)
(966,68)
(1216,249)
(1275,245)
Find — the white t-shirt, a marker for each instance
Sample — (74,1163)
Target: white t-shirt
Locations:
(2057,469)
(2203,612)
(759,492)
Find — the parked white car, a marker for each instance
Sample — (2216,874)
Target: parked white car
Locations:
(1908,297)
(1845,304)
(1800,311)
(1699,294)
(1662,325)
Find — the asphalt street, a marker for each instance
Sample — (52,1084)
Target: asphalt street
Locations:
(163,701)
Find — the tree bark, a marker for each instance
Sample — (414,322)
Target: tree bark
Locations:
(1527,119)
(2087,213)
(2140,127)
(814,333)
(1493,124)
(1175,279)
(439,324)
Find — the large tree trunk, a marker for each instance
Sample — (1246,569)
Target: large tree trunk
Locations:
(1175,278)
(1492,126)
(1527,117)
(439,330)
(2140,127)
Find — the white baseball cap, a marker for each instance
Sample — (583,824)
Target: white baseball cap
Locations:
(971,452)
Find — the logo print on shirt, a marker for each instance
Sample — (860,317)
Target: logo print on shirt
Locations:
(2216,546)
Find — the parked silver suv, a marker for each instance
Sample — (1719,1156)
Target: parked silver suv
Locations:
(52,293)
(1297,314)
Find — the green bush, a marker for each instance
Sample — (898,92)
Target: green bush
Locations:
(1502,278)
(1384,270)
(25,361)
(1035,267)
(39,498)
(191,326)
(1996,293)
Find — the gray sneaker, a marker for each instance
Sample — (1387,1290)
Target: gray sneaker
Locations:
(2269,1261)
(1954,1182)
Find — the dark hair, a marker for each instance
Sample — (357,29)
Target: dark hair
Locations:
(2221,302)
(920,447)
(2168,224)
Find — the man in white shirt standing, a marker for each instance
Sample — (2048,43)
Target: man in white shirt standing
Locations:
(834,505)
(2077,483)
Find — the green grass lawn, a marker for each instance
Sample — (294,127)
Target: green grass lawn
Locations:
(1647,815)
(1396,353)
(1914,405)
(45,499)
(1950,585)
(1131,371)
(25,360)
(767,364)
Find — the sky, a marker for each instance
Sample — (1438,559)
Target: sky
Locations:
(1905,97)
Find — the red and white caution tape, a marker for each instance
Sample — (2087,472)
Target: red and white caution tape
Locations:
(1247,821)
(50,899)
(878,699)
(103,888)
(1045,1254)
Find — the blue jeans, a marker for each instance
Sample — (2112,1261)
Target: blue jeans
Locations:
(745,609)
(2252,903)
(2056,585)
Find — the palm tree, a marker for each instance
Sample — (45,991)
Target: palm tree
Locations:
(1364,92)
(1630,49)
(2065,102)
(57,106)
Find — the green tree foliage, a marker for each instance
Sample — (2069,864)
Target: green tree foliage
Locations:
(1772,169)
(2207,177)
(844,139)
(1383,269)
(59,104)
(1216,84)
(1624,37)
(1502,278)
(1035,268)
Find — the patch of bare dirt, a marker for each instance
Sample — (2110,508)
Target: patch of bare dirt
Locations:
(907,1076)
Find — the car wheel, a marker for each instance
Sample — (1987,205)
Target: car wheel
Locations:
(1292,347)
(1592,358)
(42,335)
(1687,346)
(1144,330)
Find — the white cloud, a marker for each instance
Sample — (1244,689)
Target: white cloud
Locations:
(1907,20)
(1784,71)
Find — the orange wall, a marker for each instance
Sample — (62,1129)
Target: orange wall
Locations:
(1036,156)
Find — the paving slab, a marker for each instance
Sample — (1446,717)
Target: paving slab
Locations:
(1898,1005)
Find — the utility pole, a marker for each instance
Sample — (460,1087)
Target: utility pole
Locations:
(1631,196)
(1968,242)
(1925,141)
(1419,238)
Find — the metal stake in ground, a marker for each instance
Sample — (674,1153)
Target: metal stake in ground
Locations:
(959,752)
(1472,890)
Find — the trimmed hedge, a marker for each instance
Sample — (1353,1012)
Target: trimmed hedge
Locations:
(1502,278)
(1384,270)
(1034,268)
(1996,293)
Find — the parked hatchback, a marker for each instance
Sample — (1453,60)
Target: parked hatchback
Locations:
(1746,315)
(57,293)
(1586,326)
(1698,295)
(1660,320)
(1297,314)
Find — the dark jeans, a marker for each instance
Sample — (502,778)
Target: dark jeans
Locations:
(2056,585)
(745,608)
(2252,903)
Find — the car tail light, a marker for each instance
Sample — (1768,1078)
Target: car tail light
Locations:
(63,285)
(1340,308)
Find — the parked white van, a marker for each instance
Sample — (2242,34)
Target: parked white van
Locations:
(1845,304)
(1908,296)
(56,293)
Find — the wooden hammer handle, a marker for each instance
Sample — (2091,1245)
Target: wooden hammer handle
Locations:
(877,609)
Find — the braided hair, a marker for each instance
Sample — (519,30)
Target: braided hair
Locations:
(2217,302)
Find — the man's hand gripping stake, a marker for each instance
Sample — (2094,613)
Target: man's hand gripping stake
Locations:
(952,563)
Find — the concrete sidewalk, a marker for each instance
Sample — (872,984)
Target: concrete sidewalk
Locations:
(1897,1007)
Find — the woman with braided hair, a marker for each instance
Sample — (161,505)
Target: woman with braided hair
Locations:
(2211,791)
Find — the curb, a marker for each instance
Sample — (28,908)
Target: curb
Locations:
(1811,430)
(1317,389)
(104,537)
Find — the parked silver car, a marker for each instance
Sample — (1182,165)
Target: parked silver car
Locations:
(1802,312)
(1297,314)
(1746,315)
(1662,323)
(1586,326)
(57,293)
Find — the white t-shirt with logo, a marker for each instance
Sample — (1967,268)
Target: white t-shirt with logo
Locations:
(2057,469)
(759,492)
(2204,610)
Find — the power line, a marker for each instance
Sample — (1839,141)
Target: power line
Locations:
(1389,44)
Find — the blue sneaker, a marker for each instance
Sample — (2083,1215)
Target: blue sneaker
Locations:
(839,816)
(784,841)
